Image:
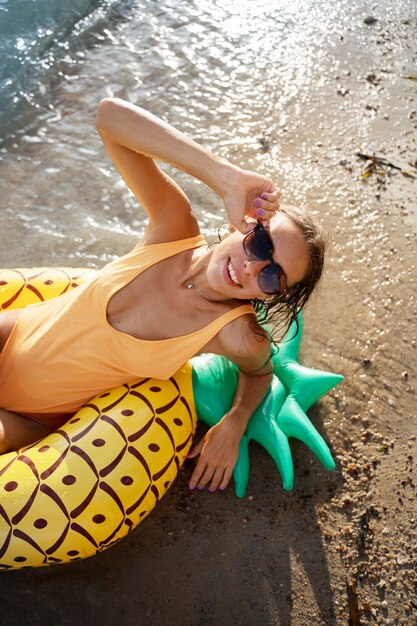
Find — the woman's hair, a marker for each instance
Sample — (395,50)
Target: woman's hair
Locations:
(281,310)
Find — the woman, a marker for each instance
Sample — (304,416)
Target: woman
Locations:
(147,313)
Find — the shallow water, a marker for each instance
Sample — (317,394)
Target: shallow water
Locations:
(35,36)
(257,82)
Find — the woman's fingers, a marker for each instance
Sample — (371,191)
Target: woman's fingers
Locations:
(263,209)
(203,476)
(195,450)
(227,475)
(251,198)
(217,479)
(267,204)
(218,451)
(272,196)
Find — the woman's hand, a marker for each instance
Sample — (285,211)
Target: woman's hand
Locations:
(251,197)
(218,450)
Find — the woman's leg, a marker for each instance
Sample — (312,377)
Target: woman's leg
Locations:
(17,431)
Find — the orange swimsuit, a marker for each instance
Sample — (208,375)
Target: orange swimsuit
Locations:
(62,352)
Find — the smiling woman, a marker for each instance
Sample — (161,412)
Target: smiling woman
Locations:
(58,354)
(294,241)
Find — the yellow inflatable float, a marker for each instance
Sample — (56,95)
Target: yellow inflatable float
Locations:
(92,481)
(89,483)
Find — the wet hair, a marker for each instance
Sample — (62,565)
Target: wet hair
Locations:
(281,310)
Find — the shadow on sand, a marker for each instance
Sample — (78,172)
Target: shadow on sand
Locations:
(199,559)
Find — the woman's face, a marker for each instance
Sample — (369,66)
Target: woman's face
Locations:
(231,273)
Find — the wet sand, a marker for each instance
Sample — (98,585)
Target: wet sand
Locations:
(301,558)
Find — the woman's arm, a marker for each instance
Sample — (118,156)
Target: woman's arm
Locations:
(219,448)
(134,138)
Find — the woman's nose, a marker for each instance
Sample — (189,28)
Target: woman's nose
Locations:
(252,267)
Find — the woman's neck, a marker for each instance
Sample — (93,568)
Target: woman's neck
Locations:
(196,279)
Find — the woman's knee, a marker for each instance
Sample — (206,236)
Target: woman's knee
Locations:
(17,431)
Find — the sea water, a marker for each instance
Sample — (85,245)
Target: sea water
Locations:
(35,35)
(279,86)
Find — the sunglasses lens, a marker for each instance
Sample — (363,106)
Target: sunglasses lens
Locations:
(258,244)
(268,280)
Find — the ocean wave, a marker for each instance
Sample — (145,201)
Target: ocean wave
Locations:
(35,35)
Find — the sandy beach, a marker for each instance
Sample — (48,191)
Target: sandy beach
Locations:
(340,549)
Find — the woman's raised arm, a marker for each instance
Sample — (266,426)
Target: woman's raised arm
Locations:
(134,138)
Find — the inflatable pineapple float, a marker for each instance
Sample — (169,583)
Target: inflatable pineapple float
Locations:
(87,485)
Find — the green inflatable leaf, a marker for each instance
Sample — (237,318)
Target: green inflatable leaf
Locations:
(282,413)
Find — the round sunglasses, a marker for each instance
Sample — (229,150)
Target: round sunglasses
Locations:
(258,246)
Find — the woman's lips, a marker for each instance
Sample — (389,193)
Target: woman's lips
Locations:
(230,274)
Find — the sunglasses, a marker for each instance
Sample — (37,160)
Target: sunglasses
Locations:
(258,246)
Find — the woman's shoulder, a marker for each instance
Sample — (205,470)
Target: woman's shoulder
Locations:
(245,342)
